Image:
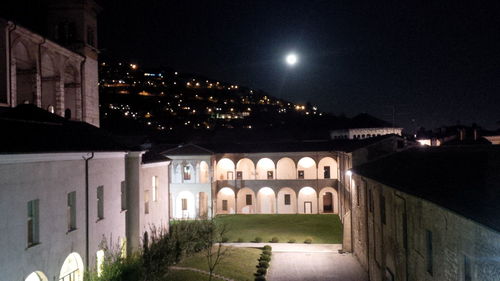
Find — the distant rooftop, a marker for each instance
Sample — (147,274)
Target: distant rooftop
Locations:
(344,145)
(463,179)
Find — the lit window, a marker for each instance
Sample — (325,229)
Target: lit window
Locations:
(155,188)
(239,175)
(72,211)
(33,225)
(187,173)
(100,202)
(100,262)
(301,174)
(270,175)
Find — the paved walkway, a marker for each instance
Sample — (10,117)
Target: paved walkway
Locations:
(310,262)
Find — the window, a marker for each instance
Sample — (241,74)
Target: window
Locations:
(146,202)
(100,202)
(33,225)
(270,175)
(123,196)
(287,199)
(467,269)
(71,211)
(51,109)
(100,262)
(370,200)
(358,190)
(184,204)
(239,175)
(230,175)
(187,173)
(301,174)
(155,188)
(428,245)
(224,205)
(326,172)
(382,208)
(248,199)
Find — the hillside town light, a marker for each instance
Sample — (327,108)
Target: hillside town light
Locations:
(348,173)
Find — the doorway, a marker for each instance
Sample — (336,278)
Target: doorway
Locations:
(308,207)
(328,202)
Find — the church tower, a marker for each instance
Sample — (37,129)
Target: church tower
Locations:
(73,24)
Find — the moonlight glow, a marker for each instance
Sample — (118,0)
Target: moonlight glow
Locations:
(291,59)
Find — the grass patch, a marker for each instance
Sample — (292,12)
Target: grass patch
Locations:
(186,275)
(323,229)
(238,264)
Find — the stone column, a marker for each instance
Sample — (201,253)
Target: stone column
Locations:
(59,92)
(13,82)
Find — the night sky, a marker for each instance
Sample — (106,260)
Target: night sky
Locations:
(434,62)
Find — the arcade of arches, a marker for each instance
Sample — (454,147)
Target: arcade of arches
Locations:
(284,200)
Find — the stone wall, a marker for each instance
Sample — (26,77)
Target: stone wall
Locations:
(391,233)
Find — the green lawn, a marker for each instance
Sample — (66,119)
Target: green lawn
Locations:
(239,264)
(321,228)
(185,275)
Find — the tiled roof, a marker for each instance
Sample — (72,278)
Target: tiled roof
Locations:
(28,129)
(464,179)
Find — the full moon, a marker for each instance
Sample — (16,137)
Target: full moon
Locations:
(291,59)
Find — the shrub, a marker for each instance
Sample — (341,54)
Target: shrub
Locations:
(224,239)
(308,240)
(267,247)
(260,278)
(266,252)
(291,241)
(258,239)
(239,240)
(263,264)
(261,271)
(274,239)
(265,258)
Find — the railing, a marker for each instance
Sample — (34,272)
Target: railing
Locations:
(277,184)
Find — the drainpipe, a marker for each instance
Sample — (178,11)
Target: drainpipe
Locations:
(87,159)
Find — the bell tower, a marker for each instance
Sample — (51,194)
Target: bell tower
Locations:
(73,24)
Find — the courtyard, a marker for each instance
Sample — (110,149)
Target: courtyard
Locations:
(287,228)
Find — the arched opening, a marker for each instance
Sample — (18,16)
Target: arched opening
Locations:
(265,169)
(225,201)
(36,276)
(225,169)
(285,169)
(49,77)
(203,205)
(72,268)
(287,201)
(327,168)
(328,200)
(245,169)
(185,207)
(71,92)
(306,168)
(307,201)
(188,173)
(204,177)
(24,84)
(246,201)
(266,201)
